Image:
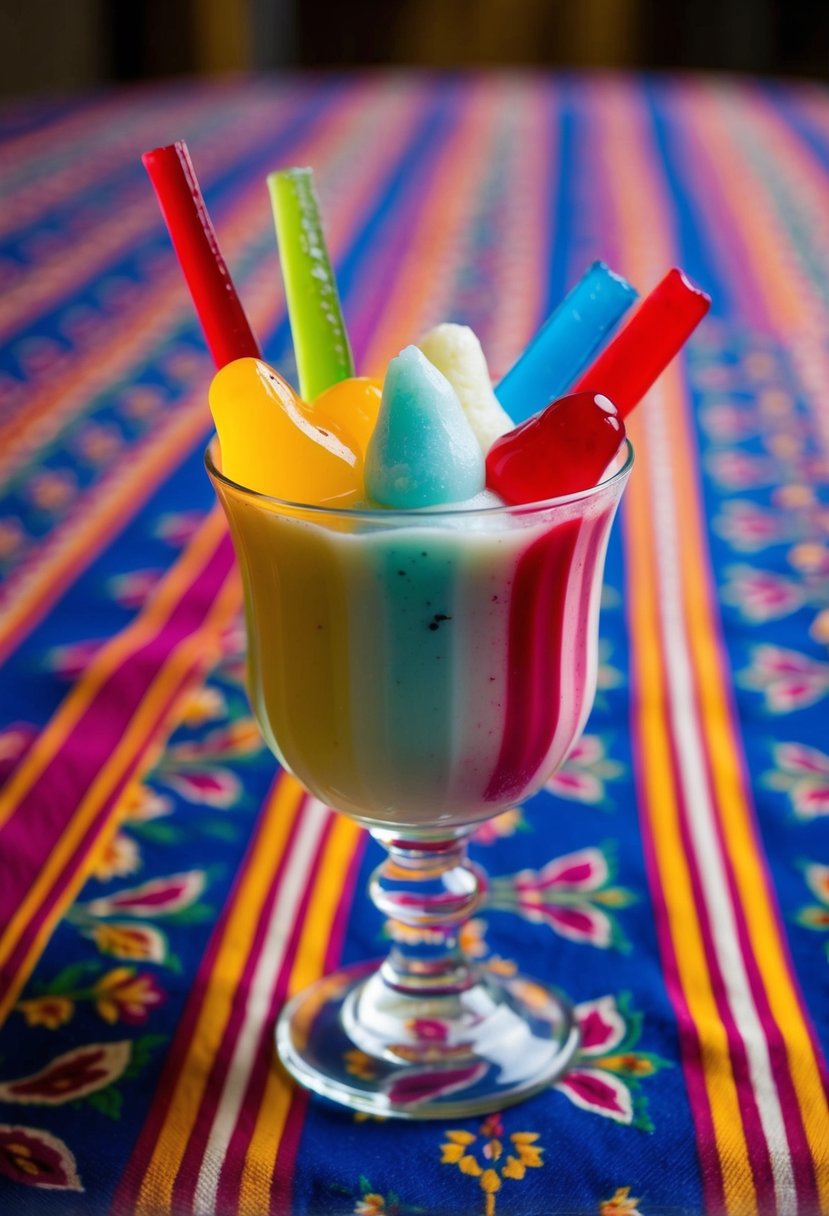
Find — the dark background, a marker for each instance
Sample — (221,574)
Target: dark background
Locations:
(49,45)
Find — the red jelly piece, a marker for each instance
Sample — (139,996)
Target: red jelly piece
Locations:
(562,450)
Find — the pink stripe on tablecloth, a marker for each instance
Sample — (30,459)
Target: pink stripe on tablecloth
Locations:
(42,814)
(722,231)
(801,1156)
(755,1137)
(56,895)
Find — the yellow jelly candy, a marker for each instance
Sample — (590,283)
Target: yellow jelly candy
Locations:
(355,403)
(272,442)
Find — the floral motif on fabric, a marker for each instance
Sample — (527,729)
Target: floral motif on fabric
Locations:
(620,1203)
(133,589)
(68,662)
(802,773)
(749,527)
(372,1203)
(121,995)
(607,1073)
(33,1157)
(114,922)
(815,916)
(573,895)
(120,858)
(761,595)
(72,1075)
(788,679)
(501,826)
(197,769)
(91,1074)
(492,1156)
(177,528)
(585,772)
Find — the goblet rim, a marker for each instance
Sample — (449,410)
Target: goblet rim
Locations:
(618,476)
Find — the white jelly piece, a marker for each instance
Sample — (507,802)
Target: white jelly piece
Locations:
(456,351)
(423,451)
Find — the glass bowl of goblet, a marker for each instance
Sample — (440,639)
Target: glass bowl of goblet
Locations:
(421,672)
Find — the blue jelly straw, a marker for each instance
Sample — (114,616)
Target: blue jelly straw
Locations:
(566,342)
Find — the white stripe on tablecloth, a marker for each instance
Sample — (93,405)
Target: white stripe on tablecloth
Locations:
(298,872)
(701,813)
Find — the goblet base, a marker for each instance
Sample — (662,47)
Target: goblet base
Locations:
(493,1041)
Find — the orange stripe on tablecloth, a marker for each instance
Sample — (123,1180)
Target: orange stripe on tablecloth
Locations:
(714,1105)
(743,849)
(188,1067)
(309,961)
(146,730)
(645,251)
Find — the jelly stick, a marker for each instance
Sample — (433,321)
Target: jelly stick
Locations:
(323,354)
(226,328)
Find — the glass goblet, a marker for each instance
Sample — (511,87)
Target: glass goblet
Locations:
(421,672)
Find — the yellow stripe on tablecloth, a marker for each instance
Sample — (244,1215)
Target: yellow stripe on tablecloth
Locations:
(260,1159)
(647,249)
(764,929)
(280,817)
(661,814)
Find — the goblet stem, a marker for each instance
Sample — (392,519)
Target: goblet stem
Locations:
(427,889)
(428,1033)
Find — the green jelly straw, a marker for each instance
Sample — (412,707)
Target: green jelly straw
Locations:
(323,354)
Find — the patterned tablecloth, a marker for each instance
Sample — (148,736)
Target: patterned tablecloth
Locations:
(163,888)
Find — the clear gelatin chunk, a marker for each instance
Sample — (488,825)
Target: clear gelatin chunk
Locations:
(456,351)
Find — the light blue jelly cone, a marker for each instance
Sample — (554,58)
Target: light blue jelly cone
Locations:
(423,451)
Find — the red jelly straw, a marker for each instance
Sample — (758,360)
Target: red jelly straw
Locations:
(641,351)
(219,308)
